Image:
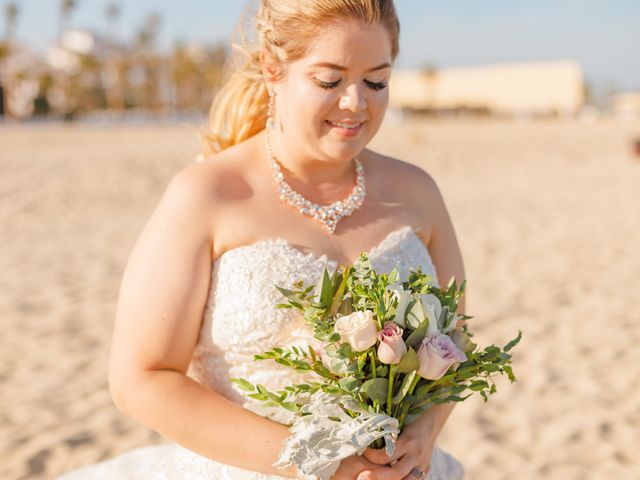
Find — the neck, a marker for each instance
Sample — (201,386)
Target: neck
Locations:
(312,178)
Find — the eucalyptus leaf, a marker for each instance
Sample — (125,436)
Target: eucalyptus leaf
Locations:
(376,389)
(408,362)
(349,383)
(419,333)
(404,388)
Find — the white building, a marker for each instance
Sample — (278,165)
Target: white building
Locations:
(530,88)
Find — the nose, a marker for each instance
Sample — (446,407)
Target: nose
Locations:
(353,99)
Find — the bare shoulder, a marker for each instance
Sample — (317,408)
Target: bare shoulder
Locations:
(409,178)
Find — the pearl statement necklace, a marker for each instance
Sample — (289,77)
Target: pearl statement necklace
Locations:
(328,215)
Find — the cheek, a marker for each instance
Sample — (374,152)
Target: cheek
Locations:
(379,102)
(312,104)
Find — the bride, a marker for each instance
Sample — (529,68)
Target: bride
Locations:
(197,296)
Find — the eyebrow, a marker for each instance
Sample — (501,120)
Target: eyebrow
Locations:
(343,68)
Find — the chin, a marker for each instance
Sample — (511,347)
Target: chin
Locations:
(345,152)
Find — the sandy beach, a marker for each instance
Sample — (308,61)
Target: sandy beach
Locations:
(548,218)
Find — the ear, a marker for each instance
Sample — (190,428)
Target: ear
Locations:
(269,66)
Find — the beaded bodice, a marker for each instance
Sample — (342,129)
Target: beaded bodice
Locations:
(240,318)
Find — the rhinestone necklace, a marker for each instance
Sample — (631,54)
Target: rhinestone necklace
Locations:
(328,215)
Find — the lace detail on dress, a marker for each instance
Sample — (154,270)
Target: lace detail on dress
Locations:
(239,321)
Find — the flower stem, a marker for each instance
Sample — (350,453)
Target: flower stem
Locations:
(390,389)
(405,407)
(372,357)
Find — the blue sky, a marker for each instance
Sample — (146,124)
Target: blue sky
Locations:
(603,35)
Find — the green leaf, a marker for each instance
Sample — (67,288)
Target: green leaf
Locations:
(409,362)
(312,353)
(290,294)
(243,384)
(290,406)
(478,385)
(419,333)
(349,383)
(376,389)
(510,374)
(326,289)
(404,388)
(513,342)
(394,275)
(346,307)
(338,298)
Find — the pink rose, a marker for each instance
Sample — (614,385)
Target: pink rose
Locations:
(391,348)
(436,355)
(358,329)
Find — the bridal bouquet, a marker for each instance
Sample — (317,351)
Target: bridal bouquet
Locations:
(383,352)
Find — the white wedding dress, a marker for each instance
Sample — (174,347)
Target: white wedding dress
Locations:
(241,320)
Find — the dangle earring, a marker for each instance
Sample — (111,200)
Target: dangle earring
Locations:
(271,122)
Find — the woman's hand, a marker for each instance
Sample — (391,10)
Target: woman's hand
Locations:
(413,449)
(351,466)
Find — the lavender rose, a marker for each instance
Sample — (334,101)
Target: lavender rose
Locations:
(391,348)
(358,329)
(436,355)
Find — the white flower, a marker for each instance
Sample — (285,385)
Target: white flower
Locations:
(359,329)
(404,297)
(432,310)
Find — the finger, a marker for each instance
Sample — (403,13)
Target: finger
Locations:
(379,455)
(396,472)
(411,476)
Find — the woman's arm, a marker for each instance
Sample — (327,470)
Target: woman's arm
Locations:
(160,306)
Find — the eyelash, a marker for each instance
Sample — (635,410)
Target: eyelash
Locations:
(329,85)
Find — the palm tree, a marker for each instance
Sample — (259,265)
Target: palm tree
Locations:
(115,61)
(10,16)
(66,7)
(146,39)
(113,12)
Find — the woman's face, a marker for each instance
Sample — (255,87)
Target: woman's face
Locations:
(332,101)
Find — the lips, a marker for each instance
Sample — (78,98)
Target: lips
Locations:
(346,129)
(345,124)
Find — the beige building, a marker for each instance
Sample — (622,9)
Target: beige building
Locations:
(626,105)
(538,88)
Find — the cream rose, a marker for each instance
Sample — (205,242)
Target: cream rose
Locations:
(358,329)
(391,348)
(436,355)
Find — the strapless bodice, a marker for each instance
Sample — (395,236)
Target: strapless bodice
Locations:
(240,318)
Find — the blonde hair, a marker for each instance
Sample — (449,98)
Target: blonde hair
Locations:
(284,27)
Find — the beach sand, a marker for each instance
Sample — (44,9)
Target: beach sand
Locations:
(548,218)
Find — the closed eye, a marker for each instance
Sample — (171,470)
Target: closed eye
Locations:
(376,85)
(329,85)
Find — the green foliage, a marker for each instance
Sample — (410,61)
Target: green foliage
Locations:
(372,384)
